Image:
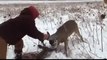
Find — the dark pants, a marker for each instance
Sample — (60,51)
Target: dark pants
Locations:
(18,49)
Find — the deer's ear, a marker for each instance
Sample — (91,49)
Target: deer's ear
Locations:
(48,34)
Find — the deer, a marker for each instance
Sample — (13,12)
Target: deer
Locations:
(62,33)
(41,55)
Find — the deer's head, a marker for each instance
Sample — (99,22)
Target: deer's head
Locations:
(53,40)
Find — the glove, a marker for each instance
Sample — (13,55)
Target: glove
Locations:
(46,37)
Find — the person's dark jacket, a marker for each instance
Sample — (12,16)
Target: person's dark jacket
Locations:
(15,29)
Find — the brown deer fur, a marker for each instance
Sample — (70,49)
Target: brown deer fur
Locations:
(63,33)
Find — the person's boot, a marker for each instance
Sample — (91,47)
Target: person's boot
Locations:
(18,54)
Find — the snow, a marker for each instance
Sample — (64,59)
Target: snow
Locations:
(53,15)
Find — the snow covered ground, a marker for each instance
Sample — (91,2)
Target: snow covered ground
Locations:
(53,15)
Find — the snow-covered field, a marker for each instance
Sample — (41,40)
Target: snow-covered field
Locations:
(53,15)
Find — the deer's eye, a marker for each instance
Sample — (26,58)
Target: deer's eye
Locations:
(51,42)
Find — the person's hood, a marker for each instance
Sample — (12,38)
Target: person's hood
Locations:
(30,11)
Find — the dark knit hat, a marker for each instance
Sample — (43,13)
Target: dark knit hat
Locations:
(33,11)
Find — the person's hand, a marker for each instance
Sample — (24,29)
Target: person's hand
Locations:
(46,36)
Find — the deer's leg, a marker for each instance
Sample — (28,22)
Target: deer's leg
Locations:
(66,47)
(18,49)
